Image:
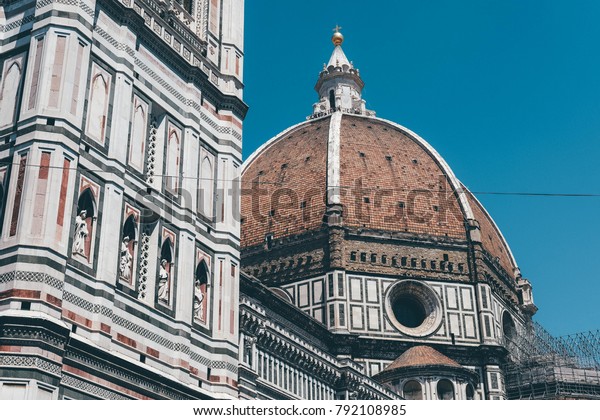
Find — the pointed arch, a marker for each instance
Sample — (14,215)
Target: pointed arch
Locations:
(11,82)
(128,252)
(98,106)
(130,227)
(165,281)
(202,280)
(202,272)
(167,251)
(85,226)
(173,149)
(87,202)
(139,129)
(509,330)
(206,187)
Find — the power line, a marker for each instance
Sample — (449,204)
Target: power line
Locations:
(345,187)
(532,194)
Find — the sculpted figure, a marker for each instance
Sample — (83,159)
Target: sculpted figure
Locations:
(163,282)
(198,301)
(81,233)
(125,261)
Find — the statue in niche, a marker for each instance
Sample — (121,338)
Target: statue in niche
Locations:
(198,301)
(125,261)
(81,233)
(248,349)
(163,282)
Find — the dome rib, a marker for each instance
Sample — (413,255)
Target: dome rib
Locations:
(512,261)
(344,137)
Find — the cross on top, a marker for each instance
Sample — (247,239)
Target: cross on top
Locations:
(337,28)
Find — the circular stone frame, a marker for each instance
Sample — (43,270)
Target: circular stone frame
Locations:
(422,294)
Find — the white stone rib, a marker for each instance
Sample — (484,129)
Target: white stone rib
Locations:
(333,159)
(456,184)
(333,166)
(510,254)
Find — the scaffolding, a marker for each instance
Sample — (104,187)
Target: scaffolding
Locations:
(541,366)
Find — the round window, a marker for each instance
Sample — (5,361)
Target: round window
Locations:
(414,308)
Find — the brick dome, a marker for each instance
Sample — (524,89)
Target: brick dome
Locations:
(375,174)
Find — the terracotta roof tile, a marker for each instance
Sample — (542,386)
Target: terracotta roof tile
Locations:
(421,356)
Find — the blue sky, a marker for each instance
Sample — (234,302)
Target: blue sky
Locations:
(507,91)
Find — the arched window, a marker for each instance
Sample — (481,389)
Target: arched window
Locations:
(206,187)
(172,169)
(165,272)
(445,390)
(85,225)
(202,279)
(96,124)
(128,252)
(8,95)
(470,391)
(508,327)
(139,126)
(412,390)
(331,99)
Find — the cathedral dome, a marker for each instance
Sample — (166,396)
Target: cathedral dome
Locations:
(378,175)
(347,190)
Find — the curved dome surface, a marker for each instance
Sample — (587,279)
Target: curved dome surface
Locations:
(384,178)
(287,171)
(392,182)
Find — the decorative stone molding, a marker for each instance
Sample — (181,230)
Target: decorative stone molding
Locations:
(32,276)
(30,362)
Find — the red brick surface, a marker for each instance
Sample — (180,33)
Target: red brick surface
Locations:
(152,352)
(126,340)
(389,182)
(391,167)
(21,293)
(293,170)
(53,300)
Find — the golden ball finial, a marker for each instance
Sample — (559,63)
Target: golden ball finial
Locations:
(337,37)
